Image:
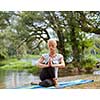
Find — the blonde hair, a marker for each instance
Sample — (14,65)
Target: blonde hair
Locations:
(52,41)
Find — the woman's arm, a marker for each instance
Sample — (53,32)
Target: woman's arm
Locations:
(61,65)
(40,63)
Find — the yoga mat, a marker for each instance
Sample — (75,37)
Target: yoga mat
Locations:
(60,84)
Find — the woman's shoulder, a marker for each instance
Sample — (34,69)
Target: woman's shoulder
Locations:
(59,55)
(45,55)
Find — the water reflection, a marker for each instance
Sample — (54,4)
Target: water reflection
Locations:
(33,61)
(13,79)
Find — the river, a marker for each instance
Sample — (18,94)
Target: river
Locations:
(14,79)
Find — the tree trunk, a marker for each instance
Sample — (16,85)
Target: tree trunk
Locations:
(61,45)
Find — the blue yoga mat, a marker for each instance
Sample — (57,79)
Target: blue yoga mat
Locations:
(60,84)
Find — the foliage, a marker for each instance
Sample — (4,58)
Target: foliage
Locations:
(23,32)
(98,55)
(89,62)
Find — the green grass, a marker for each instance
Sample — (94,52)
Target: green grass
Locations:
(15,64)
(98,56)
(7,61)
(32,56)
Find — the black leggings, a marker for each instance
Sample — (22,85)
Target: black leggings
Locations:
(47,73)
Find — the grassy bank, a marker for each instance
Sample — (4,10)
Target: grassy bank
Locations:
(31,56)
(17,64)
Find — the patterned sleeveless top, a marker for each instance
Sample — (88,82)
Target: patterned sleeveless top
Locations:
(56,60)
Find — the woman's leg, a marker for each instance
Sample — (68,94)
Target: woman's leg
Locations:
(47,73)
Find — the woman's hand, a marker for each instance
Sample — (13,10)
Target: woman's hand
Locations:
(50,62)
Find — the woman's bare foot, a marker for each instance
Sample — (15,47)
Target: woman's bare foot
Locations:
(34,83)
(57,86)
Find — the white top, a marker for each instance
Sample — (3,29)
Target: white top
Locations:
(56,60)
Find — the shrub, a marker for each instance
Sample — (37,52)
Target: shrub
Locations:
(88,63)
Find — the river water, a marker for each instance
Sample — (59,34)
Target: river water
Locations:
(14,79)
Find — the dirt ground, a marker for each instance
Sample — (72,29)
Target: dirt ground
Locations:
(92,85)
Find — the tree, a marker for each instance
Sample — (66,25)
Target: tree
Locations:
(67,25)
(4,22)
(70,28)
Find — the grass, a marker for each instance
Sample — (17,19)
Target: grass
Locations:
(15,64)
(98,55)
(32,56)
(7,61)
(18,65)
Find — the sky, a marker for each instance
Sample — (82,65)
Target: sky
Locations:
(50,5)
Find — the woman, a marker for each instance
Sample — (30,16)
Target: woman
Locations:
(50,63)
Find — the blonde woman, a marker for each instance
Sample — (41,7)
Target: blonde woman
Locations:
(50,63)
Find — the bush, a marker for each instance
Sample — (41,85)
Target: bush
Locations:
(88,63)
(70,67)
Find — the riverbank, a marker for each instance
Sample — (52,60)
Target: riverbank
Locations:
(93,85)
(21,65)
(26,63)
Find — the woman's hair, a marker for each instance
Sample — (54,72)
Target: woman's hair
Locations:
(52,41)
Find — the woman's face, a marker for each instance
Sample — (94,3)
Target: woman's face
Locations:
(52,45)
